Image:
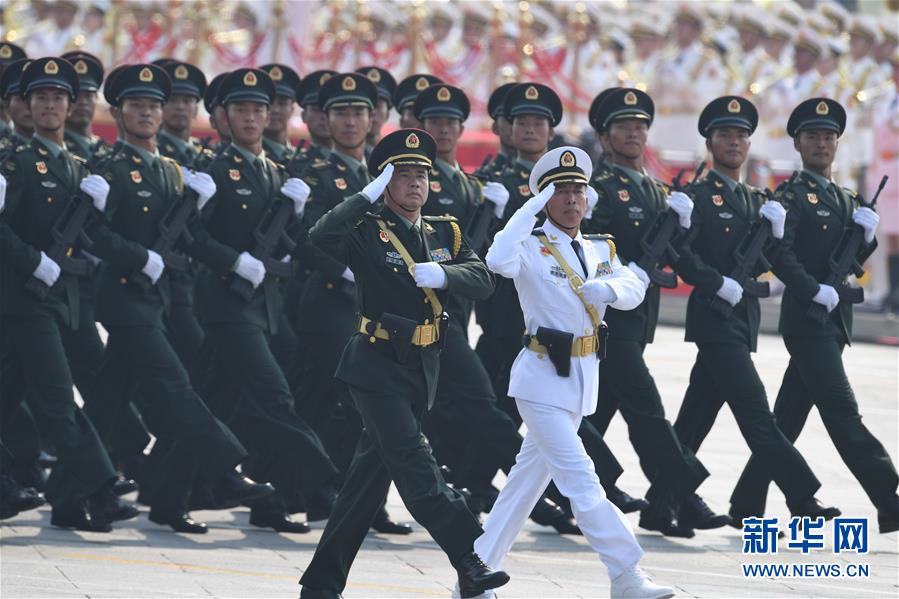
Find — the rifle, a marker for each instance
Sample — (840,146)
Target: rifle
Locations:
(66,232)
(843,262)
(748,255)
(270,231)
(656,243)
(479,226)
(172,227)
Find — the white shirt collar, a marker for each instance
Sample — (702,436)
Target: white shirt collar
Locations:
(557,235)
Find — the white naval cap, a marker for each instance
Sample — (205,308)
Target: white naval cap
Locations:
(566,164)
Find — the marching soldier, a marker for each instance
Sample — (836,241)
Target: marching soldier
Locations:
(40,301)
(9,53)
(136,192)
(629,200)
(386,85)
(239,307)
(277,140)
(391,365)
(175,139)
(326,317)
(79,137)
(15,107)
(502,129)
(404,97)
(819,213)
(565,281)
(316,123)
(213,105)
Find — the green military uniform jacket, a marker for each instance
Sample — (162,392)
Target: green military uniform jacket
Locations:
(721,219)
(501,315)
(139,198)
(306,156)
(816,219)
(191,154)
(626,210)
(39,188)
(9,143)
(93,150)
(242,198)
(350,233)
(458,197)
(277,152)
(328,297)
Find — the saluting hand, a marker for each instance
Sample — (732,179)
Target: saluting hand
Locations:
(592,198)
(429,274)
(97,188)
(374,189)
(536,203)
(498,195)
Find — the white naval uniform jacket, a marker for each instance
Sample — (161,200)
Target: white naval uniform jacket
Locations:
(547,300)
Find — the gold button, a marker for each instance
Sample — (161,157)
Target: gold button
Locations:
(371,339)
(395,269)
(727,229)
(123,280)
(329,285)
(636,223)
(539,356)
(426,300)
(824,227)
(308,272)
(146,208)
(427,321)
(244,206)
(49,200)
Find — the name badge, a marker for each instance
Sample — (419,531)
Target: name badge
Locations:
(143,193)
(243,191)
(445,201)
(726,215)
(394,258)
(48,184)
(823,212)
(557,271)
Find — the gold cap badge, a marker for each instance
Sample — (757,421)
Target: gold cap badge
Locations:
(348,84)
(567,159)
(276,74)
(630,98)
(81,67)
(734,106)
(822,108)
(421,83)
(531,93)
(51,68)
(412,141)
(5,51)
(323,78)
(146,75)
(443,94)
(250,79)
(181,72)
(374,75)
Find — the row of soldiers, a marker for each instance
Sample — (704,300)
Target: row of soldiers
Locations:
(225,324)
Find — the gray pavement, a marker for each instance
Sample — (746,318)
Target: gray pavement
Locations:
(140,559)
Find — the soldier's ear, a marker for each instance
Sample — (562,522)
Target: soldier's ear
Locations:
(796,143)
(708,144)
(461,128)
(494,128)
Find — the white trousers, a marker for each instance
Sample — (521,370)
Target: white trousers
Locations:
(553,450)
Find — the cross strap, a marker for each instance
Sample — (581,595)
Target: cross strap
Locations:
(574,281)
(410,265)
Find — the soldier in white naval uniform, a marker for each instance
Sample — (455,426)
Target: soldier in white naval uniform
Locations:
(565,280)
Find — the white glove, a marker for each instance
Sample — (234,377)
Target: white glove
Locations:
(592,198)
(348,275)
(641,274)
(827,296)
(683,205)
(730,291)
(201,183)
(97,188)
(374,189)
(2,192)
(47,270)
(867,219)
(298,191)
(499,195)
(776,214)
(536,203)
(598,292)
(154,266)
(250,268)
(429,274)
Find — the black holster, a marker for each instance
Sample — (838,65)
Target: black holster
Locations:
(442,326)
(558,348)
(603,340)
(401,331)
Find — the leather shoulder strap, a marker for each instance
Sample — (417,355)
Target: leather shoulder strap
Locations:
(574,280)
(410,265)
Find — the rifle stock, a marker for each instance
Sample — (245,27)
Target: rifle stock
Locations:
(270,231)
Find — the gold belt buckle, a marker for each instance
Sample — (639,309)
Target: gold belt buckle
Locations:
(425,334)
(588,345)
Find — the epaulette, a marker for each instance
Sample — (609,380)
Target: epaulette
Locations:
(595,236)
(272,163)
(852,193)
(320,163)
(437,219)
(604,175)
(537,232)
(77,158)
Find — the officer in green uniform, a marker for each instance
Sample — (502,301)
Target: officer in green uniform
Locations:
(138,187)
(276,141)
(326,317)
(213,105)
(249,187)
(316,123)
(80,484)
(175,139)
(502,128)
(628,201)
(386,85)
(9,53)
(404,97)
(391,365)
(819,212)
(79,138)
(14,104)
